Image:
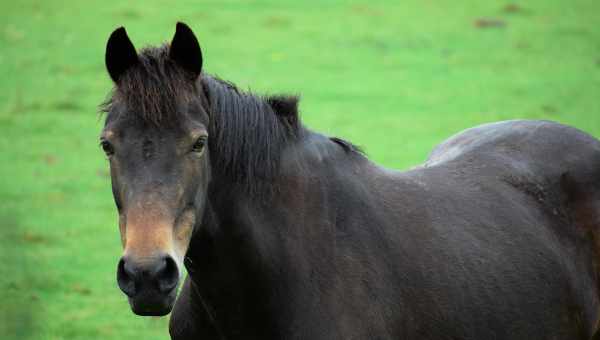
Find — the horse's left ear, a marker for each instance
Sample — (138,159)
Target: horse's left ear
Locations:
(185,50)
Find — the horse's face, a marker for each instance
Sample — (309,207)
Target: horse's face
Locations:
(159,181)
(159,172)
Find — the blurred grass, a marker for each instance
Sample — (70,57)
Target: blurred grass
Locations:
(394,77)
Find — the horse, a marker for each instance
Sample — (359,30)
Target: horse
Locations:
(286,233)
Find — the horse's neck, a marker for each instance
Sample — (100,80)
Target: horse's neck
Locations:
(248,241)
(226,265)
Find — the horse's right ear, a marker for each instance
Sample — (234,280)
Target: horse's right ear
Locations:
(120,54)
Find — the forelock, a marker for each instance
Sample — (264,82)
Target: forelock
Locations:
(153,90)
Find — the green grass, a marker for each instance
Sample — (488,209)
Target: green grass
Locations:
(395,77)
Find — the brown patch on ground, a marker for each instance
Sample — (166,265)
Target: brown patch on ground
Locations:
(66,105)
(512,8)
(549,110)
(277,22)
(515,9)
(489,23)
(31,237)
(523,45)
(129,13)
(366,10)
(81,290)
(50,159)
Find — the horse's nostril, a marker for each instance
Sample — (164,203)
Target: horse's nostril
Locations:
(160,274)
(126,277)
(167,275)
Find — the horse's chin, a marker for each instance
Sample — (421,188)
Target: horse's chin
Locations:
(153,304)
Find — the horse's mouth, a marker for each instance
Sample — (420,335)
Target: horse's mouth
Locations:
(153,303)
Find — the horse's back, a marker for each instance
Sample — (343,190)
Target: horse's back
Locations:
(500,230)
(546,144)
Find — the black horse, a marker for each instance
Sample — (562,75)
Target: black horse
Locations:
(289,234)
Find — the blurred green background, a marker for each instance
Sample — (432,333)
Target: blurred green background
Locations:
(396,77)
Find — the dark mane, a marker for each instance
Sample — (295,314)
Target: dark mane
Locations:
(248,132)
(347,146)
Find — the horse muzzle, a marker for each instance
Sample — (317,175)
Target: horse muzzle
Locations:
(150,283)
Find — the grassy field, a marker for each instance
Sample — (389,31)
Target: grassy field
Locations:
(395,77)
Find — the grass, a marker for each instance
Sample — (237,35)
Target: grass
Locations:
(394,77)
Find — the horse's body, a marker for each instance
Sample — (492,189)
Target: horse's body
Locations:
(288,234)
(492,238)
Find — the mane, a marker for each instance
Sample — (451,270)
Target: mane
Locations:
(247,132)
(348,146)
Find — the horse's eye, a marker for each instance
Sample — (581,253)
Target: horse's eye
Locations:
(199,144)
(107,147)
